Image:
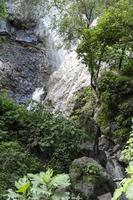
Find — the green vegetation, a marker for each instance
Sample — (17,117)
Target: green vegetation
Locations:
(53,139)
(41,186)
(83,111)
(32,141)
(15,162)
(74,16)
(109,42)
(126,185)
(116,110)
(3,9)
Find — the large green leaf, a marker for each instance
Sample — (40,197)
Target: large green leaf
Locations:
(61,181)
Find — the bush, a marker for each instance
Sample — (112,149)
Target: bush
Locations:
(116,109)
(15,162)
(53,138)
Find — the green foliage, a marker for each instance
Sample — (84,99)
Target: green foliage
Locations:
(126,185)
(128,150)
(73,16)
(116,110)
(83,111)
(41,186)
(46,135)
(93,173)
(54,136)
(15,162)
(3,9)
(110,41)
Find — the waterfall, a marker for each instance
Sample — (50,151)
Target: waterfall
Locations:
(37,94)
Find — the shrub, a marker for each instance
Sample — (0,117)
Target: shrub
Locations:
(14,162)
(116,110)
(53,138)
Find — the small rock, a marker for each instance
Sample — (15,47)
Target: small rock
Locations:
(106,196)
(105,144)
(3,28)
(116,148)
(114,168)
(26,36)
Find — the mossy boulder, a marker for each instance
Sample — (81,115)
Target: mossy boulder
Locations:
(89,178)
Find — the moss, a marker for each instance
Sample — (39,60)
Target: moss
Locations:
(93,173)
(83,111)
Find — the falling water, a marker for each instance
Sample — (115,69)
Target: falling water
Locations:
(37,94)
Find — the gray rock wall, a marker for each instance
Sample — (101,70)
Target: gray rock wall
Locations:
(24,56)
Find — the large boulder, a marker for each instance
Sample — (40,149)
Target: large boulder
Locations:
(89,178)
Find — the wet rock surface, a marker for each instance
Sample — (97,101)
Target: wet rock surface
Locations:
(3,28)
(25,65)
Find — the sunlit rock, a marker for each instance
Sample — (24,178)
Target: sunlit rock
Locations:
(64,83)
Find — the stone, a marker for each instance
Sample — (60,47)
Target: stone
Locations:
(65,82)
(27,60)
(89,178)
(116,148)
(105,144)
(115,169)
(87,149)
(3,28)
(26,36)
(106,196)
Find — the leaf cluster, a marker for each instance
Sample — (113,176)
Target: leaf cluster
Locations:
(43,186)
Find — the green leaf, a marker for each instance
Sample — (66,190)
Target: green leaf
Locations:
(61,181)
(129,192)
(23,188)
(117,194)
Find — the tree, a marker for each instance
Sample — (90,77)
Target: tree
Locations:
(73,16)
(109,42)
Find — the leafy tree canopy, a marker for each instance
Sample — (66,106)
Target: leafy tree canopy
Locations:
(110,41)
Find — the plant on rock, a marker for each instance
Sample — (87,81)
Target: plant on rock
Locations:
(42,186)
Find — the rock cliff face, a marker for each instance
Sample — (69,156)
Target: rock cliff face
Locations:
(25,53)
(65,82)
